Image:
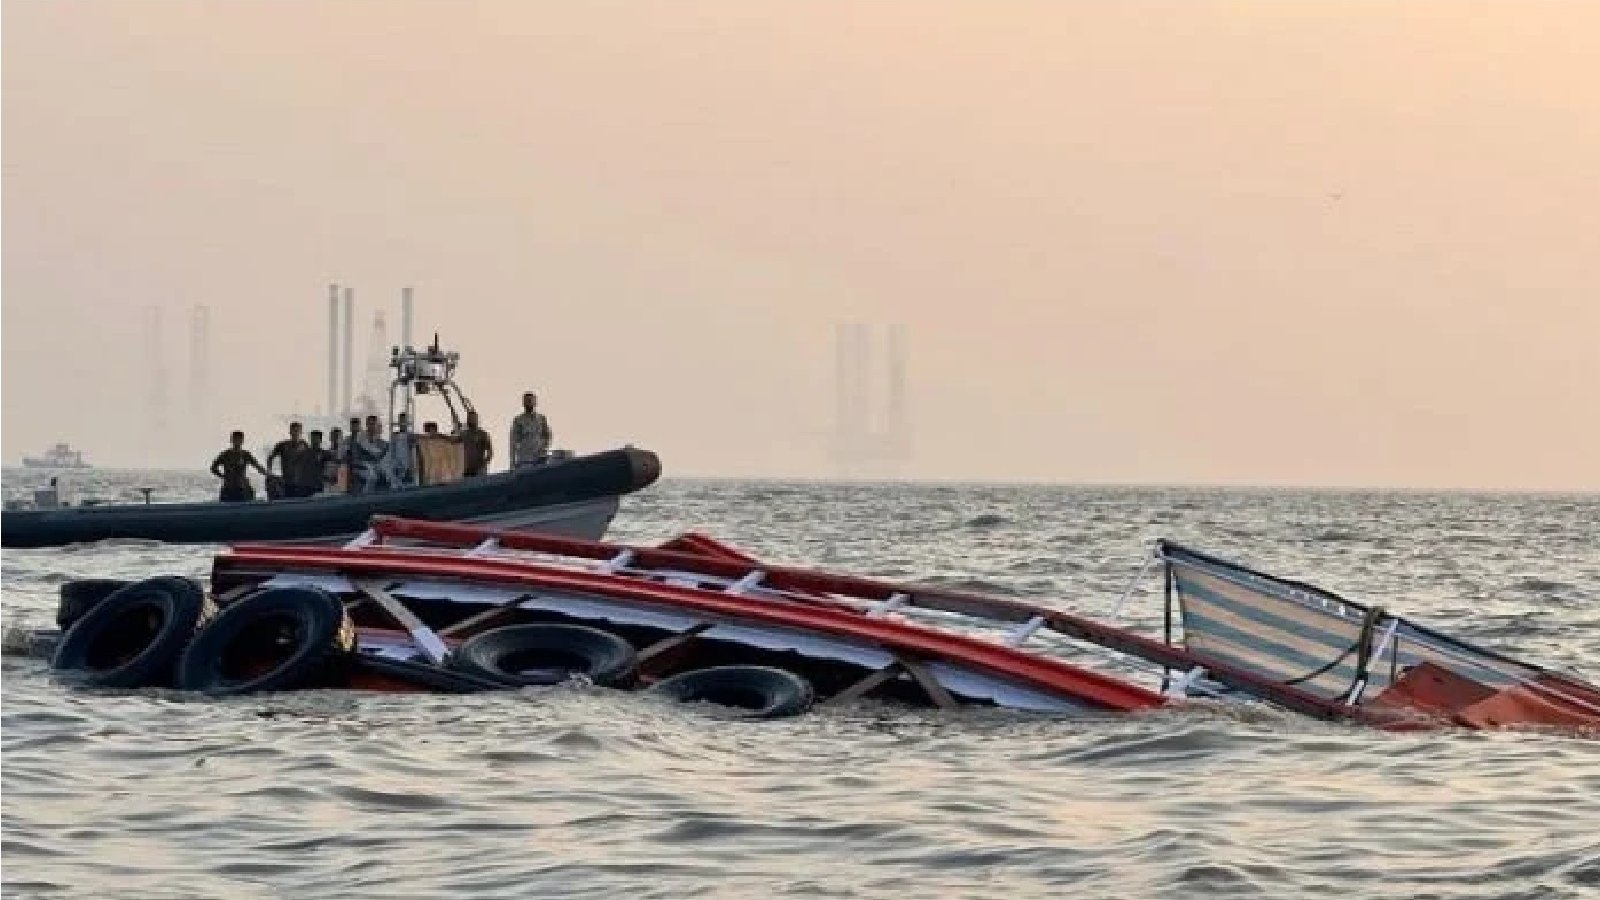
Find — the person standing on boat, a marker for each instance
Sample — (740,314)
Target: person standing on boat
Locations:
(231,465)
(402,463)
(530,434)
(352,484)
(476,449)
(307,481)
(287,453)
(333,460)
(367,453)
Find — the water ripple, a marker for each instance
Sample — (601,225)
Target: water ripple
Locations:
(581,792)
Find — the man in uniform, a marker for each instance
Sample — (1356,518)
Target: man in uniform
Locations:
(333,460)
(367,454)
(402,462)
(476,450)
(230,465)
(352,482)
(306,472)
(530,434)
(287,454)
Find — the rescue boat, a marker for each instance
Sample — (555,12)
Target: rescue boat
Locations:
(576,495)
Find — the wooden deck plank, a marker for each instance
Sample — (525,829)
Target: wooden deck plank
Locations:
(666,651)
(479,620)
(935,691)
(673,642)
(867,685)
(427,640)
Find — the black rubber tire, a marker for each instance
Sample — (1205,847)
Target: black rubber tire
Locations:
(756,692)
(424,674)
(80,595)
(277,639)
(131,638)
(521,655)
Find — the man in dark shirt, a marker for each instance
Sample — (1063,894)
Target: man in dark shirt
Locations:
(305,473)
(230,466)
(476,450)
(287,453)
(332,460)
(351,481)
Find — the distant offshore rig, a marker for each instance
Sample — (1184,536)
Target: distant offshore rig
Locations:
(871,428)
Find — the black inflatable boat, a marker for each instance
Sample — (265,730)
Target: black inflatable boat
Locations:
(575,497)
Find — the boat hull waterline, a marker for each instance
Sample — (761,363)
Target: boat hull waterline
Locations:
(513,498)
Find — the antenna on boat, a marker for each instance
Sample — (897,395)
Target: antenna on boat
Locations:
(406,307)
(430,371)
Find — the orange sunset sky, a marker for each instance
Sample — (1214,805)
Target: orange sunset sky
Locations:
(1308,243)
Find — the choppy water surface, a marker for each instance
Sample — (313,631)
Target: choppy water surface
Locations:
(571,792)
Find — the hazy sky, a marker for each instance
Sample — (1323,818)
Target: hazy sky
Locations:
(1326,242)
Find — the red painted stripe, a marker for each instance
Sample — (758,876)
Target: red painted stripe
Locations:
(1050,674)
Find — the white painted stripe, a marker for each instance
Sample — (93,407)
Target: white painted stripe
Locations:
(884,606)
(364,539)
(1024,631)
(746,583)
(489,547)
(612,565)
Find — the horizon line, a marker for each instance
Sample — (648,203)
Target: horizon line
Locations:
(961,481)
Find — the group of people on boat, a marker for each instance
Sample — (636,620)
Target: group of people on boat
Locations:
(367,460)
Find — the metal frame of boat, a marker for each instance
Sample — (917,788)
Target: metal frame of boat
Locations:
(944,646)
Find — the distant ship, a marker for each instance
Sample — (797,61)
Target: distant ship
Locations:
(60,456)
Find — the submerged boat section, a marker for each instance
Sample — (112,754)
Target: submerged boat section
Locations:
(1233,634)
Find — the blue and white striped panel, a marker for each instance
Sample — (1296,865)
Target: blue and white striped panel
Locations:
(1284,633)
(1264,634)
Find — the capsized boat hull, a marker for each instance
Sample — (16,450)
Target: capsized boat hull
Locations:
(692,590)
(579,495)
(671,616)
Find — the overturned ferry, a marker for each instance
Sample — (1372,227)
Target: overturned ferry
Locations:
(414,605)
